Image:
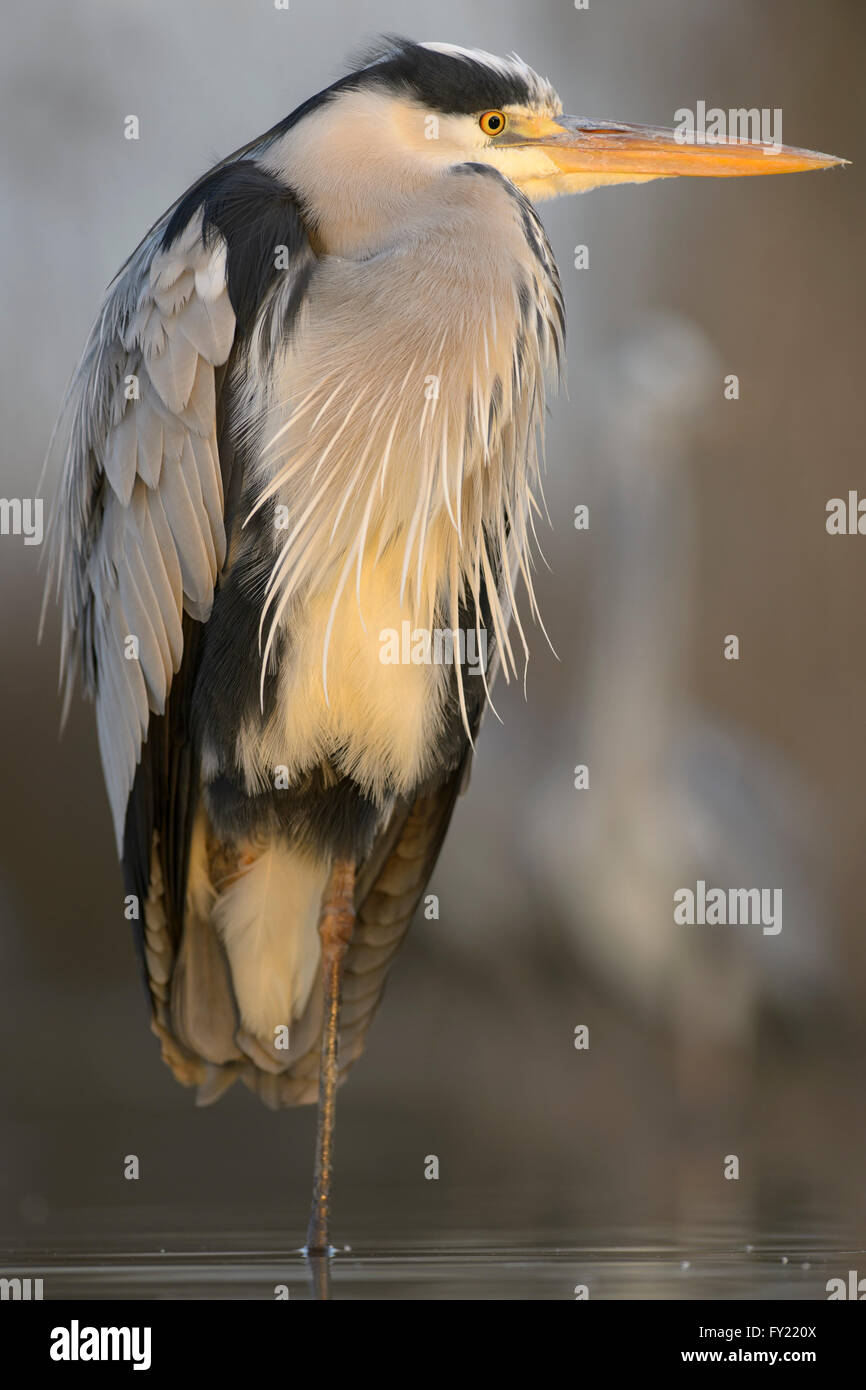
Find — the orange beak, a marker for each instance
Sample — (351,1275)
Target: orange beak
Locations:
(578,146)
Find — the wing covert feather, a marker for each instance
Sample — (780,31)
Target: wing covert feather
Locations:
(142,493)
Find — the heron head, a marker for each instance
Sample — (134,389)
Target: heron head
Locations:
(412,110)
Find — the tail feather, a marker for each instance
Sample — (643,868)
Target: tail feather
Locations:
(267,919)
(247,963)
(204,1016)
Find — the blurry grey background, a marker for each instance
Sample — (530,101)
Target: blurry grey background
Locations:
(707,518)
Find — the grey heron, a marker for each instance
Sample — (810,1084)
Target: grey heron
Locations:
(309,415)
(678,793)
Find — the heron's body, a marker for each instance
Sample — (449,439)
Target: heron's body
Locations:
(365,731)
(309,416)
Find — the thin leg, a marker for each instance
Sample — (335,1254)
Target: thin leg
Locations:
(336,925)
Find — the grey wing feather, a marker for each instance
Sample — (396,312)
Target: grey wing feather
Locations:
(141,535)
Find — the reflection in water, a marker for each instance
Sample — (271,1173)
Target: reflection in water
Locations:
(718,1257)
(778,1268)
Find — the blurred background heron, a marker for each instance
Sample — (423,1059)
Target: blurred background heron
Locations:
(505,769)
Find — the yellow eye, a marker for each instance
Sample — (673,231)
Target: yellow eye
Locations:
(492,122)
